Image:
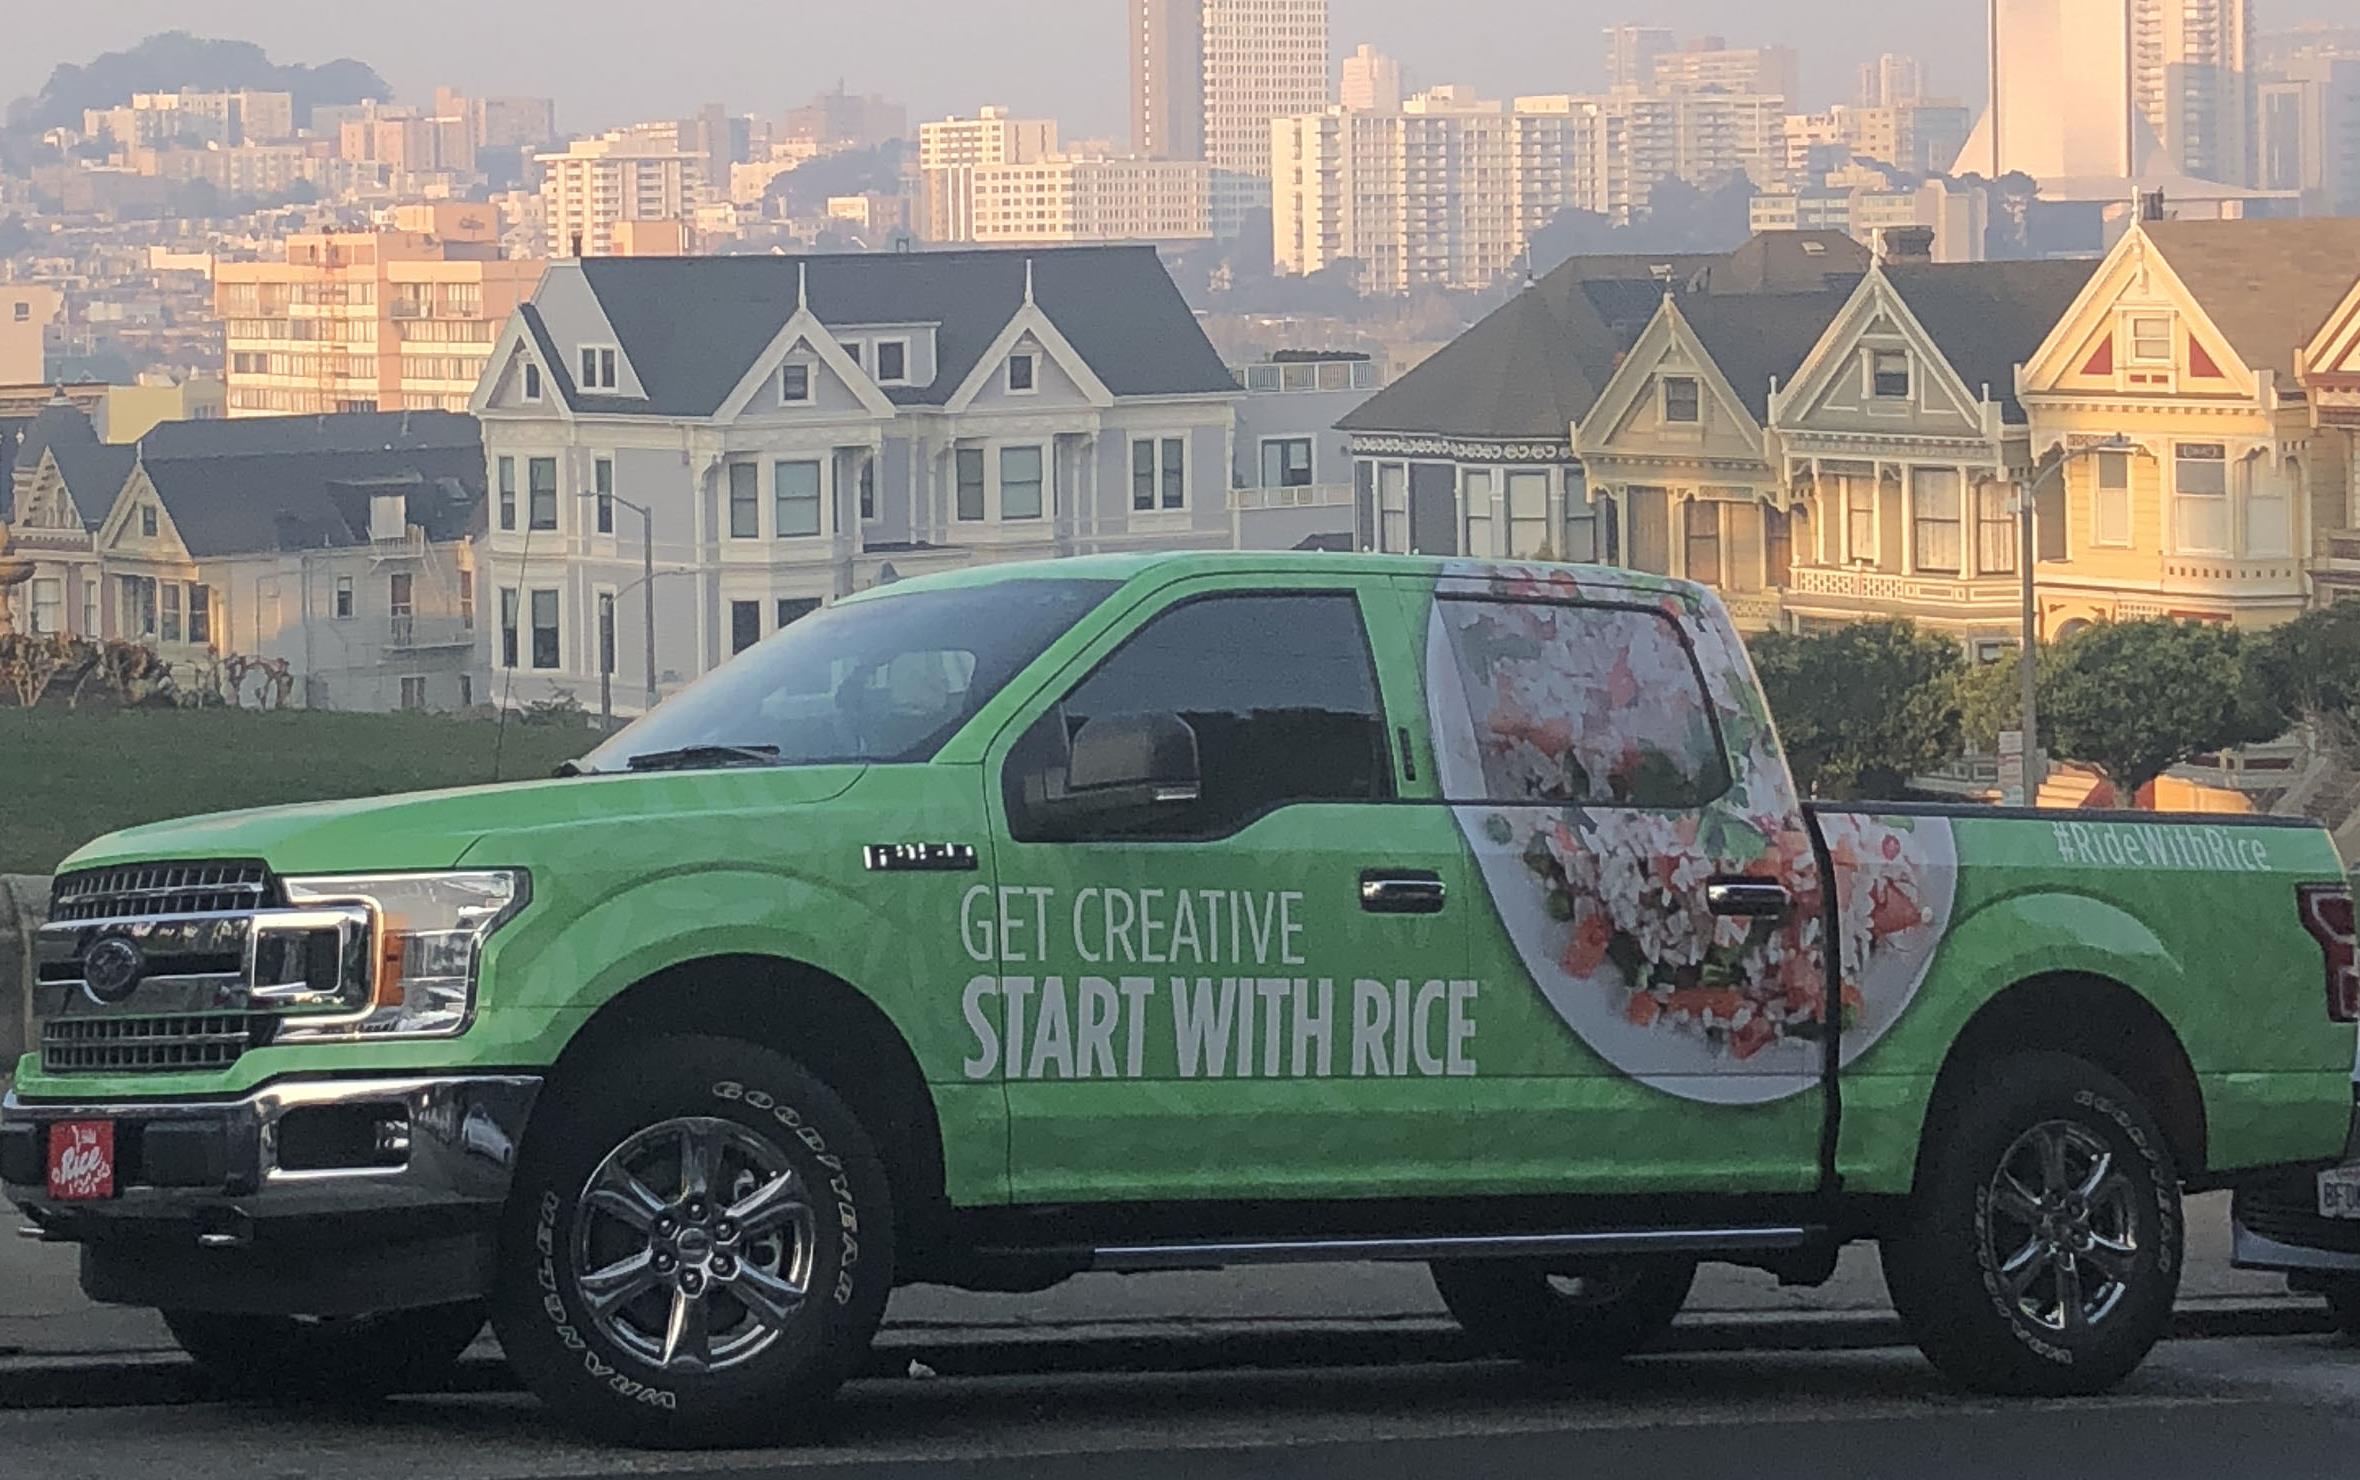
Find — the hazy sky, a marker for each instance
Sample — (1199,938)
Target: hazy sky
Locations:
(610,61)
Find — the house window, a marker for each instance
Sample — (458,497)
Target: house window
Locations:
(541,488)
(852,349)
(893,362)
(1860,518)
(2113,503)
(467,599)
(598,368)
(49,604)
(794,384)
(466,691)
(147,520)
(1020,374)
(2151,338)
(136,606)
(795,488)
(414,691)
(170,592)
(1888,374)
(745,501)
(1171,473)
(343,608)
(1393,507)
(1020,483)
(1286,462)
(532,381)
(793,609)
(1934,494)
(1778,548)
(1681,403)
(602,482)
(200,614)
(2200,502)
(21,311)
(508,626)
(868,487)
(1528,513)
(1996,531)
(508,493)
(745,625)
(397,597)
(1589,526)
(545,650)
(970,479)
(1701,529)
(1475,497)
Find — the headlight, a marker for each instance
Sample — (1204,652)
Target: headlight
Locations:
(427,934)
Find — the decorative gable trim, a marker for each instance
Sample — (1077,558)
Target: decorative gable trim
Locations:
(2083,345)
(1029,319)
(139,489)
(802,328)
(517,342)
(1666,337)
(2333,355)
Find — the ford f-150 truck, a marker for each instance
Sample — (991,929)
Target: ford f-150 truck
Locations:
(1155,912)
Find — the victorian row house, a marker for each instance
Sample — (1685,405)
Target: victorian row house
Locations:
(323,561)
(766,434)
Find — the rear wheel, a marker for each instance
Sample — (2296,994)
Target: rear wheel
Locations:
(1592,1311)
(2041,1249)
(698,1248)
(324,1357)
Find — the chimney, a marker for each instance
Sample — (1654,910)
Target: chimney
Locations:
(2151,205)
(1904,246)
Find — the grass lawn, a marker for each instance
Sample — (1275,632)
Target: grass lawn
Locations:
(66,777)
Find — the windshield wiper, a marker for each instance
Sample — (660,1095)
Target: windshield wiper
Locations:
(688,757)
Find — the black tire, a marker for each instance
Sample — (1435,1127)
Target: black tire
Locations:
(326,1359)
(767,1116)
(2000,1320)
(1598,1311)
(2343,1299)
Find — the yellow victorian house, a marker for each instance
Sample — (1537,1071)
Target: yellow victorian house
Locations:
(2187,342)
(2330,377)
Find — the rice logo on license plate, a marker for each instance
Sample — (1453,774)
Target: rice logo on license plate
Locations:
(2339,1193)
(82,1160)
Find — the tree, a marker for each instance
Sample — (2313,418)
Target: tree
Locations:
(2135,699)
(2312,665)
(805,189)
(1863,707)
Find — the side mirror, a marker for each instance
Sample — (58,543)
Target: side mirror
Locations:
(1118,770)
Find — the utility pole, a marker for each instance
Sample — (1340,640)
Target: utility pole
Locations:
(646,584)
(2028,655)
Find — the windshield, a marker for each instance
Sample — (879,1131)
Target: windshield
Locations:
(886,679)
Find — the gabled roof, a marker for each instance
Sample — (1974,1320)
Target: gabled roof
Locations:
(58,424)
(1989,317)
(2269,285)
(692,326)
(93,475)
(312,499)
(1758,338)
(1786,262)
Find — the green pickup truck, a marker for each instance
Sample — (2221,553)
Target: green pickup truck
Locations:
(1165,912)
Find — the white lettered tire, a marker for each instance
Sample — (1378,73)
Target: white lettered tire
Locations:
(698,1247)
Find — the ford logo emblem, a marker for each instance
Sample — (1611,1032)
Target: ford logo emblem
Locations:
(111,969)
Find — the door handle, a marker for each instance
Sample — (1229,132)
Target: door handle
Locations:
(1408,891)
(1750,899)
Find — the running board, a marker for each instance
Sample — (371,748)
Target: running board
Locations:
(1219,1253)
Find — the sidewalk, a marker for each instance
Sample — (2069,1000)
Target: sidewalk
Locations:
(44,1319)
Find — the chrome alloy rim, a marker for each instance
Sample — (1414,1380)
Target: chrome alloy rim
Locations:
(708,1272)
(2062,1233)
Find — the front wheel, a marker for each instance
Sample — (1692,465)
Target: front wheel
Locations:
(327,1358)
(1594,1311)
(698,1249)
(2040,1252)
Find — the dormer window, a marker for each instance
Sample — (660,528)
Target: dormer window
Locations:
(2151,338)
(598,367)
(794,385)
(893,362)
(532,381)
(1020,374)
(1888,374)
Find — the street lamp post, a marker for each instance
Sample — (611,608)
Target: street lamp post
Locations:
(647,578)
(2028,657)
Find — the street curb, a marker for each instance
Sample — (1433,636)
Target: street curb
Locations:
(112,1380)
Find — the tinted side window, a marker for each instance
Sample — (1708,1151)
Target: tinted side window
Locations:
(1279,689)
(1588,704)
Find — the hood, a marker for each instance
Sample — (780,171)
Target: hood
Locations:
(435,829)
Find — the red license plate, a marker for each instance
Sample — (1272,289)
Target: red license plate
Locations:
(82,1160)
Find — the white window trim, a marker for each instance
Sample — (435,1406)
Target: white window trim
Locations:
(993,504)
(338,586)
(1008,373)
(1663,398)
(2098,493)
(808,387)
(876,371)
(530,380)
(2130,338)
(761,465)
(1868,376)
(2228,497)
(1260,456)
(525,629)
(610,384)
(403,680)
(822,466)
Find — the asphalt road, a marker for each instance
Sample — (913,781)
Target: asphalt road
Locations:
(2284,1407)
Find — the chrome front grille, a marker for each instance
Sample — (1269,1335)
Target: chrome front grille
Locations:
(152,890)
(155,1045)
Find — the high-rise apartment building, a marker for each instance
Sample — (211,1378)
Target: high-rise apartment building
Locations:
(1631,52)
(1922,138)
(2307,127)
(501,123)
(597,184)
(396,320)
(841,120)
(194,117)
(2191,80)
(1370,81)
(2061,93)
(1167,46)
(1709,64)
(950,150)
(1891,81)
(1263,60)
(1068,198)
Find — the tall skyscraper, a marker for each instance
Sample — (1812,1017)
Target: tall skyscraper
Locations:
(1891,81)
(1370,82)
(2061,104)
(2191,80)
(1168,79)
(1264,60)
(1631,52)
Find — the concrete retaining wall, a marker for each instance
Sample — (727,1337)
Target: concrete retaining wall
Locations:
(24,904)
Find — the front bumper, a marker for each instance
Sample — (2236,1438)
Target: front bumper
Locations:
(324,1196)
